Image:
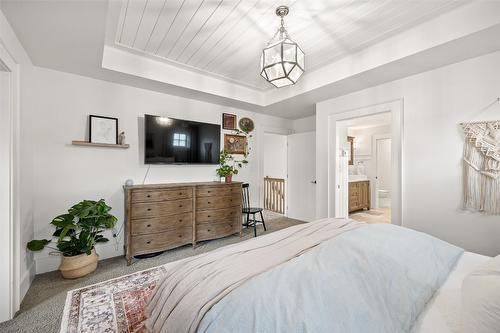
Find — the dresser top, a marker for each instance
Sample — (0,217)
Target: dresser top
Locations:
(168,185)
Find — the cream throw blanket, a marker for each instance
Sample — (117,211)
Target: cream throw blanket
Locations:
(193,285)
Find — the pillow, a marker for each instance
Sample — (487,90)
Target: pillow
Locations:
(481,299)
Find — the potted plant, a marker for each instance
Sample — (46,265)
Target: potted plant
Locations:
(77,234)
(229,166)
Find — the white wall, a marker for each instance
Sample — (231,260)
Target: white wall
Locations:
(307,124)
(66,174)
(23,150)
(435,103)
(275,155)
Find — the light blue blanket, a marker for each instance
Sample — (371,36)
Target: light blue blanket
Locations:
(376,278)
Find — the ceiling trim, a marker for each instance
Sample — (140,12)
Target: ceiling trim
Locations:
(126,62)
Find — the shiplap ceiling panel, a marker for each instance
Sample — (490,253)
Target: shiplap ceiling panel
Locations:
(226,37)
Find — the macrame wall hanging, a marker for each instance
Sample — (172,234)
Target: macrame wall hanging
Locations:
(481,166)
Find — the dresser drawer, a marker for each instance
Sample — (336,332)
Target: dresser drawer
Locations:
(161,208)
(218,202)
(205,231)
(223,214)
(217,190)
(161,240)
(159,224)
(162,195)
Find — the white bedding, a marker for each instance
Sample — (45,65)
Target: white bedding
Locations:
(442,313)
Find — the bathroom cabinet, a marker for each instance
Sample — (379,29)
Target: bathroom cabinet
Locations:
(359,195)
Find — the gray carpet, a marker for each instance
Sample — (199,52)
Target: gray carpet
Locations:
(42,308)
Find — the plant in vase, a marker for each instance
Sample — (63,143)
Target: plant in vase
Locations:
(229,166)
(77,233)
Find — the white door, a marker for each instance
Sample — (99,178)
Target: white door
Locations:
(6,288)
(302,176)
(384,174)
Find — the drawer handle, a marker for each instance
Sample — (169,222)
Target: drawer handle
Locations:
(209,202)
(180,236)
(180,193)
(149,195)
(180,220)
(149,209)
(209,191)
(209,216)
(180,205)
(148,242)
(208,229)
(148,225)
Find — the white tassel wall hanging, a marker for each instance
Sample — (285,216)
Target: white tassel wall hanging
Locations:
(481,166)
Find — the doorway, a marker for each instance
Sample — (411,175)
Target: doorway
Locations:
(365,170)
(275,175)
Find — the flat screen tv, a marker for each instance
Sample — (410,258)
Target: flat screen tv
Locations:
(175,141)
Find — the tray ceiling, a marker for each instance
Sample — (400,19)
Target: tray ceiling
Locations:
(225,37)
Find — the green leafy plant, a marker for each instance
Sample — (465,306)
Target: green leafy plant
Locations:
(229,164)
(78,231)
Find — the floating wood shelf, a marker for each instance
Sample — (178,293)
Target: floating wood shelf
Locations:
(92,144)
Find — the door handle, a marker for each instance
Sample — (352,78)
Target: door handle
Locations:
(313,182)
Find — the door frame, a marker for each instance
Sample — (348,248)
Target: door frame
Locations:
(376,137)
(13,249)
(338,188)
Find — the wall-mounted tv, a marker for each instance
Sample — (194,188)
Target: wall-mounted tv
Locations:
(176,141)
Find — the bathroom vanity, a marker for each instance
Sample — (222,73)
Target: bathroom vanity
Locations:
(359,195)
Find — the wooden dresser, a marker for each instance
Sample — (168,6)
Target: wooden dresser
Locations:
(165,216)
(359,195)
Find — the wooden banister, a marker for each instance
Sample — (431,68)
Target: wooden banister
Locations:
(274,194)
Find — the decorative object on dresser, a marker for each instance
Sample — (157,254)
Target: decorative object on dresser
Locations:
(103,129)
(226,170)
(228,121)
(77,233)
(164,216)
(359,195)
(248,210)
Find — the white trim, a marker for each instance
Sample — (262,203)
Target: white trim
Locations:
(396,109)
(14,297)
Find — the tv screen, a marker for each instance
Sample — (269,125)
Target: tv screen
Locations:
(175,141)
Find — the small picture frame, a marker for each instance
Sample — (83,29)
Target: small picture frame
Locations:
(228,121)
(235,144)
(103,129)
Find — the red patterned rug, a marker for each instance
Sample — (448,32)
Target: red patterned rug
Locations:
(112,306)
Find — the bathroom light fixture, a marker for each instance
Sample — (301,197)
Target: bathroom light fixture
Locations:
(282,60)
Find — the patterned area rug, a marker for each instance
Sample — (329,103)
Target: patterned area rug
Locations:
(115,305)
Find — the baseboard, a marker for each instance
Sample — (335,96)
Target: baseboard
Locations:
(26,281)
(51,263)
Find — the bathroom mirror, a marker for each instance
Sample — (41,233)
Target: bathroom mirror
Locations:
(350,139)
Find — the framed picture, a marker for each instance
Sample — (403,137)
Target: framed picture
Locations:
(235,144)
(228,121)
(103,129)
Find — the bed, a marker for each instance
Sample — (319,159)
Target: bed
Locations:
(331,275)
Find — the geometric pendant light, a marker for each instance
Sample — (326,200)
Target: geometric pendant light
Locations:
(282,60)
